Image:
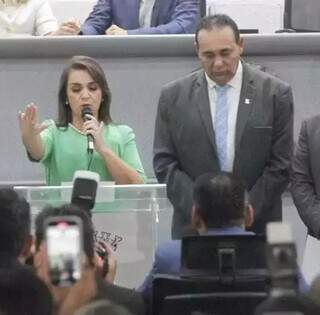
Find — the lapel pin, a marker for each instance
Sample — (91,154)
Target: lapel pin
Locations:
(247,101)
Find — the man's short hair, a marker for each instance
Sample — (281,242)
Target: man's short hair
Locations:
(15,222)
(220,199)
(22,292)
(217,21)
(67,209)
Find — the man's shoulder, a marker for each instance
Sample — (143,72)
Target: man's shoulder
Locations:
(167,257)
(259,73)
(312,123)
(169,247)
(185,81)
(313,120)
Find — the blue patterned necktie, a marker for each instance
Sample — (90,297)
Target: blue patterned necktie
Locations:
(221,124)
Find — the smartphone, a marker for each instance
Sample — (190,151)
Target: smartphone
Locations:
(64,249)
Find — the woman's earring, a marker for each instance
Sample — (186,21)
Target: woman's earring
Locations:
(67,103)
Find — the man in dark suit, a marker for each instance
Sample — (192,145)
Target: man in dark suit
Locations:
(305,183)
(227,116)
(220,208)
(305,190)
(137,17)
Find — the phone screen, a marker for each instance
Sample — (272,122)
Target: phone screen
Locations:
(64,249)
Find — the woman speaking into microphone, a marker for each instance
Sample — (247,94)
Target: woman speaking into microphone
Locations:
(84,136)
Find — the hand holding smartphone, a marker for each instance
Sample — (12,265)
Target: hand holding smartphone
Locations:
(107,263)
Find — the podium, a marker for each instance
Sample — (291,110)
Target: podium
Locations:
(133,219)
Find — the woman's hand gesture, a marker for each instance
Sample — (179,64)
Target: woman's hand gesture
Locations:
(28,121)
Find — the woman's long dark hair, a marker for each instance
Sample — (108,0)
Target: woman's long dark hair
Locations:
(96,72)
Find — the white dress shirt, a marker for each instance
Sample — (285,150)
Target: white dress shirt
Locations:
(145,12)
(233,95)
(31,17)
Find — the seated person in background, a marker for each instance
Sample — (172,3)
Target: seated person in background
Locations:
(137,17)
(22,292)
(90,287)
(62,146)
(15,228)
(32,17)
(220,207)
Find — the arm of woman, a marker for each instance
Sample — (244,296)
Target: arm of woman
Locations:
(30,131)
(119,169)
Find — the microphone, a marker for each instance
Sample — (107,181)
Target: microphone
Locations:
(86,110)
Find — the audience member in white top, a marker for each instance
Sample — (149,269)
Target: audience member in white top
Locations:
(32,17)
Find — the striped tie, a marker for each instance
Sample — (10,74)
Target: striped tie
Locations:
(221,124)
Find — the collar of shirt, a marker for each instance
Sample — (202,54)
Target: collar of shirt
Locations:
(235,82)
(145,12)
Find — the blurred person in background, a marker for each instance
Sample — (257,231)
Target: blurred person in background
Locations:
(23,293)
(61,146)
(15,228)
(32,17)
(142,17)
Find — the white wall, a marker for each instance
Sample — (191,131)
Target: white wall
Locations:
(66,9)
(264,15)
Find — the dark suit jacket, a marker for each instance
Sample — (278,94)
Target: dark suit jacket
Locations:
(305,180)
(128,298)
(184,142)
(168,17)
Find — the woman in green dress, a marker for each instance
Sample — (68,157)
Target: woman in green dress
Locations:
(61,146)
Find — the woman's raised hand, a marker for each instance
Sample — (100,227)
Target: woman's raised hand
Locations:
(28,121)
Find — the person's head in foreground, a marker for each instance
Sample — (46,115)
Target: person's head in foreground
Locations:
(220,201)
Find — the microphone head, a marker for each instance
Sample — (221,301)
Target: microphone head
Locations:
(86,110)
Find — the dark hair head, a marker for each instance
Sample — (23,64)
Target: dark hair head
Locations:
(67,209)
(22,292)
(220,199)
(96,72)
(217,21)
(15,222)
